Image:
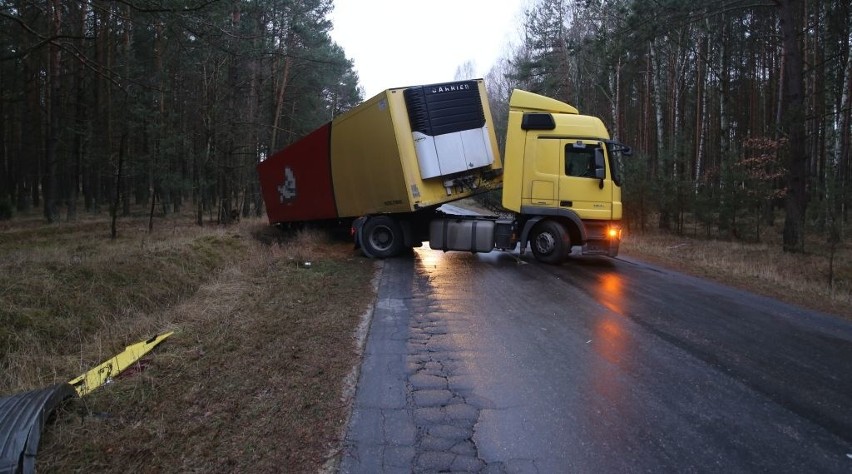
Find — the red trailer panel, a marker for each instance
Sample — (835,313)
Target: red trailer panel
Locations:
(296,181)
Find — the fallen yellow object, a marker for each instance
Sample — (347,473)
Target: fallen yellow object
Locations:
(103,373)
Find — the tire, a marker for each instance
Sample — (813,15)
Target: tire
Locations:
(381,237)
(550,242)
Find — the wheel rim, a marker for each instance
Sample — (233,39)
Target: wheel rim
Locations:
(381,238)
(545,243)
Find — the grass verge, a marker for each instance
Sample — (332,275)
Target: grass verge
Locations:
(251,381)
(811,280)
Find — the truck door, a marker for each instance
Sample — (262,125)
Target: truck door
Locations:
(584,184)
(541,173)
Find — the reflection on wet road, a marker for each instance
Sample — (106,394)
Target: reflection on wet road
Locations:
(598,365)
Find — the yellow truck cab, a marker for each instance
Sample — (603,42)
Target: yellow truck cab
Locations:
(561,177)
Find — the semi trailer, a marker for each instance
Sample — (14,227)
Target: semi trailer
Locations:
(385,167)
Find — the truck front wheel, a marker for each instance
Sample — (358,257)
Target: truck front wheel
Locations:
(381,237)
(550,242)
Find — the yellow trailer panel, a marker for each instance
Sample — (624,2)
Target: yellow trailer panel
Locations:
(378,159)
(367,174)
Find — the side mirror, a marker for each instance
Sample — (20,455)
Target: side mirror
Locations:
(599,159)
(600,167)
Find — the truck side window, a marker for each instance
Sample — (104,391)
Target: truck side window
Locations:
(580,161)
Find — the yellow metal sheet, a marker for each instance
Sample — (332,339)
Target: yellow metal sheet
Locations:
(103,373)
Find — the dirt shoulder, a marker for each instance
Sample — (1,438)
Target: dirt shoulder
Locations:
(819,280)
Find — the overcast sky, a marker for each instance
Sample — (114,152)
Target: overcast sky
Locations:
(405,42)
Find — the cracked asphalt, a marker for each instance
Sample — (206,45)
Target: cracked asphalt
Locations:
(488,363)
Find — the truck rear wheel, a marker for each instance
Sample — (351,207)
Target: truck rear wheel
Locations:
(381,237)
(550,242)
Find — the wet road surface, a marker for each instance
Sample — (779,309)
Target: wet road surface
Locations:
(485,363)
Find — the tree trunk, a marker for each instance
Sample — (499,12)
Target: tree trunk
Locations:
(279,104)
(51,212)
(843,138)
(118,177)
(793,127)
(700,107)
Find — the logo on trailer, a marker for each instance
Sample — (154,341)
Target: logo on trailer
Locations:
(287,190)
(450,88)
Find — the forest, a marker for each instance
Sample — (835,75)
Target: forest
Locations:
(738,112)
(160,103)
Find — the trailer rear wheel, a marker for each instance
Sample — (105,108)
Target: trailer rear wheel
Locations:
(381,237)
(550,242)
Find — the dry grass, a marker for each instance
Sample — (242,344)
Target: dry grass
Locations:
(250,381)
(72,297)
(763,268)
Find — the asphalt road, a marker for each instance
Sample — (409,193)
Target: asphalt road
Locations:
(484,363)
